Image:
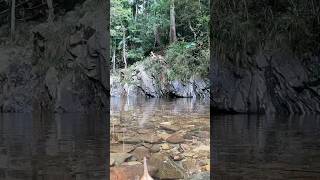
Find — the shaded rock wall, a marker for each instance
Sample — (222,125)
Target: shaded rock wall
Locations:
(66,70)
(270,83)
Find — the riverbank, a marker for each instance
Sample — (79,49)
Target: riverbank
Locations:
(141,80)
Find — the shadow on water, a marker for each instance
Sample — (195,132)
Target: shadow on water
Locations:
(53,146)
(266,147)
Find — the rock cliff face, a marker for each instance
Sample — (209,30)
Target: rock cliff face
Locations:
(276,82)
(140,82)
(62,67)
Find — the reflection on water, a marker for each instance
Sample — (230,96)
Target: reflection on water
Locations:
(53,146)
(149,105)
(144,110)
(261,147)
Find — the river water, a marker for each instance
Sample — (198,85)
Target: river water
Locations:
(73,146)
(53,146)
(266,147)
(135,120)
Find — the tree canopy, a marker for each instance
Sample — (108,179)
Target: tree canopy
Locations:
(142,27)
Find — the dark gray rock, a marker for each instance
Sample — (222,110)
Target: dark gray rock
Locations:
(277,83)
(147,83)
(181,89)
(143,83)
(65,70)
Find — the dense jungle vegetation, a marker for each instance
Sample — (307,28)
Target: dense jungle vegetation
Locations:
(166,35)
(244,28)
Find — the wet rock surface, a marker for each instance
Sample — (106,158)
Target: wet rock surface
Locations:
(169,154)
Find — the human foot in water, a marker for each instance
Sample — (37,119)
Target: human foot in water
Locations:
(146,175)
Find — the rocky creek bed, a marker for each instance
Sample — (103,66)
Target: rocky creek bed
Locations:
(176,143)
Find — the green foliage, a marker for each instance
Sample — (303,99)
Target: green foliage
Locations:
(186,60)
(156,69)
(242,28)
(127,76)
(147,22)
(183,60)
(136,54)
(192,16)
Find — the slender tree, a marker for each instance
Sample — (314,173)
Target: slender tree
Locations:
(136,11)
(173,35)
(13,19)
(50,11)
(157,41)
(114,61)
(124,50)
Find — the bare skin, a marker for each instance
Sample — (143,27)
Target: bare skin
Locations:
(146,175)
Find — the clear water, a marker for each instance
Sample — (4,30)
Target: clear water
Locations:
(53,146)
(187,115)
(266,147)
(141,112)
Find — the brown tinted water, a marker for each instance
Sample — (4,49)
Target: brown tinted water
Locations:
(53,146)
(266,147)
(146,127)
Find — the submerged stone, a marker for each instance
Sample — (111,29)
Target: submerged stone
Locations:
(167,169)
(175,139)
(201,176)
(119,158)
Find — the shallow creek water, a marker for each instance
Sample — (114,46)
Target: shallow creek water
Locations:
(174,135)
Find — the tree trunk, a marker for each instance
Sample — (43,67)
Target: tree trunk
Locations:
(136,15)
(50,11)
(13,19)
(124,51)
(157,41)
(193,31)
(114,61)
(144,6)
(173,35)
